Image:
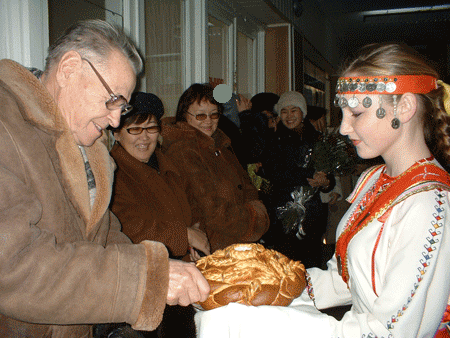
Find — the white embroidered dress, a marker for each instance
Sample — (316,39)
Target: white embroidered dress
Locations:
(411,273)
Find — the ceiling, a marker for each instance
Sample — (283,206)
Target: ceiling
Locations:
(354,23)
(339,7)
(357,23)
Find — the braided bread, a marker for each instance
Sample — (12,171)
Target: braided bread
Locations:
(252,275)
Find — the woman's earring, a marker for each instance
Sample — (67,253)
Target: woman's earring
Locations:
(395,123)
(380,111)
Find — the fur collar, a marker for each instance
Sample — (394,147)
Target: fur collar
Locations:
(39,109)
(174,132)
(136,169)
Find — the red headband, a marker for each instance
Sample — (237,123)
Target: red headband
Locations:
(387,84)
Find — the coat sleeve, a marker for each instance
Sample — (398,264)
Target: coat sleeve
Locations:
(213,199)
(140,222)
(115,234)
(81,282)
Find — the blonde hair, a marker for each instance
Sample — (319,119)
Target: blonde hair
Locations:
(400,59)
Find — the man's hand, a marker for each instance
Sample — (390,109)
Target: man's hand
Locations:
(186,284)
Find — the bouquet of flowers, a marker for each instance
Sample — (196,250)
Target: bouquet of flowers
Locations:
(332,154)
(293,213)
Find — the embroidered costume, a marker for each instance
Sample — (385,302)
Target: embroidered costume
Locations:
(396,267)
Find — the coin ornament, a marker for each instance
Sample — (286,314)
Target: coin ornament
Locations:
(381,87)
(367,102)
(336,101)
(353,102)
(381,113)
(343,102)
(395,123)
(390,87)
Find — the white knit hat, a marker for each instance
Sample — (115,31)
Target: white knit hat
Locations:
(292,98)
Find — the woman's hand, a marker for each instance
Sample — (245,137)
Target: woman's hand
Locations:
(334,196)
(319,180)
(197,239)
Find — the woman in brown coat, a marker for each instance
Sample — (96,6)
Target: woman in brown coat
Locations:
(221,195)
(148,198)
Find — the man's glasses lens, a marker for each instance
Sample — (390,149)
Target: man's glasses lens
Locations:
(139,130)
(115,102)
(119,102)
(202,117)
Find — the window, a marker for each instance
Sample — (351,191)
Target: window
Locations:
(163,51)
(218,56)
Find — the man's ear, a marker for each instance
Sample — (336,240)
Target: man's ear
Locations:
(69,65)
(407,107)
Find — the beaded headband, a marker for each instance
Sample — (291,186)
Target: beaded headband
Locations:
(381,84)
(393,84)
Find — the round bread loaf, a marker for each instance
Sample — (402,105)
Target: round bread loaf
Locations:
(252,275)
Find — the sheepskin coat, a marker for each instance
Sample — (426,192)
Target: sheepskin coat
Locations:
(63,265)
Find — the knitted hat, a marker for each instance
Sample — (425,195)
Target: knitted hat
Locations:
(292,98)
(147,103)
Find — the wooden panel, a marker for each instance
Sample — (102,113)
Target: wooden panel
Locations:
(277,51)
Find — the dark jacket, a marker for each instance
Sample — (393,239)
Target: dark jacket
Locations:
(286,163)
(255,134)
(151,204)
(220,193)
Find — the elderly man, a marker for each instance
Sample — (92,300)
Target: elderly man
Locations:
(64,263)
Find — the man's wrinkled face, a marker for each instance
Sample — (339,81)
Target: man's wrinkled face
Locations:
(83,104)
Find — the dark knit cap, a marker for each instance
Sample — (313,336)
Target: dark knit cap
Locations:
(147,103)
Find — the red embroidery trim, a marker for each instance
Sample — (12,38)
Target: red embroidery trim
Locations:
(380,201)
(373,258)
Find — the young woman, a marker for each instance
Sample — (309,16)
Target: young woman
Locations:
(393,249)
(220,193)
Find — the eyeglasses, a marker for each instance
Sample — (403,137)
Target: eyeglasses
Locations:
(203,117)
(139,130)
(115,102)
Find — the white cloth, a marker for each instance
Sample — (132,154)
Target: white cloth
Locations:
(236,320)
(412,283)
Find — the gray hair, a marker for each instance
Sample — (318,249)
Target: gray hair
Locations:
(93,38)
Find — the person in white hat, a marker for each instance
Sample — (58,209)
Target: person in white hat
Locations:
(286,163)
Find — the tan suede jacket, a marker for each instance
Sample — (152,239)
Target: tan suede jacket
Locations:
(64,266)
